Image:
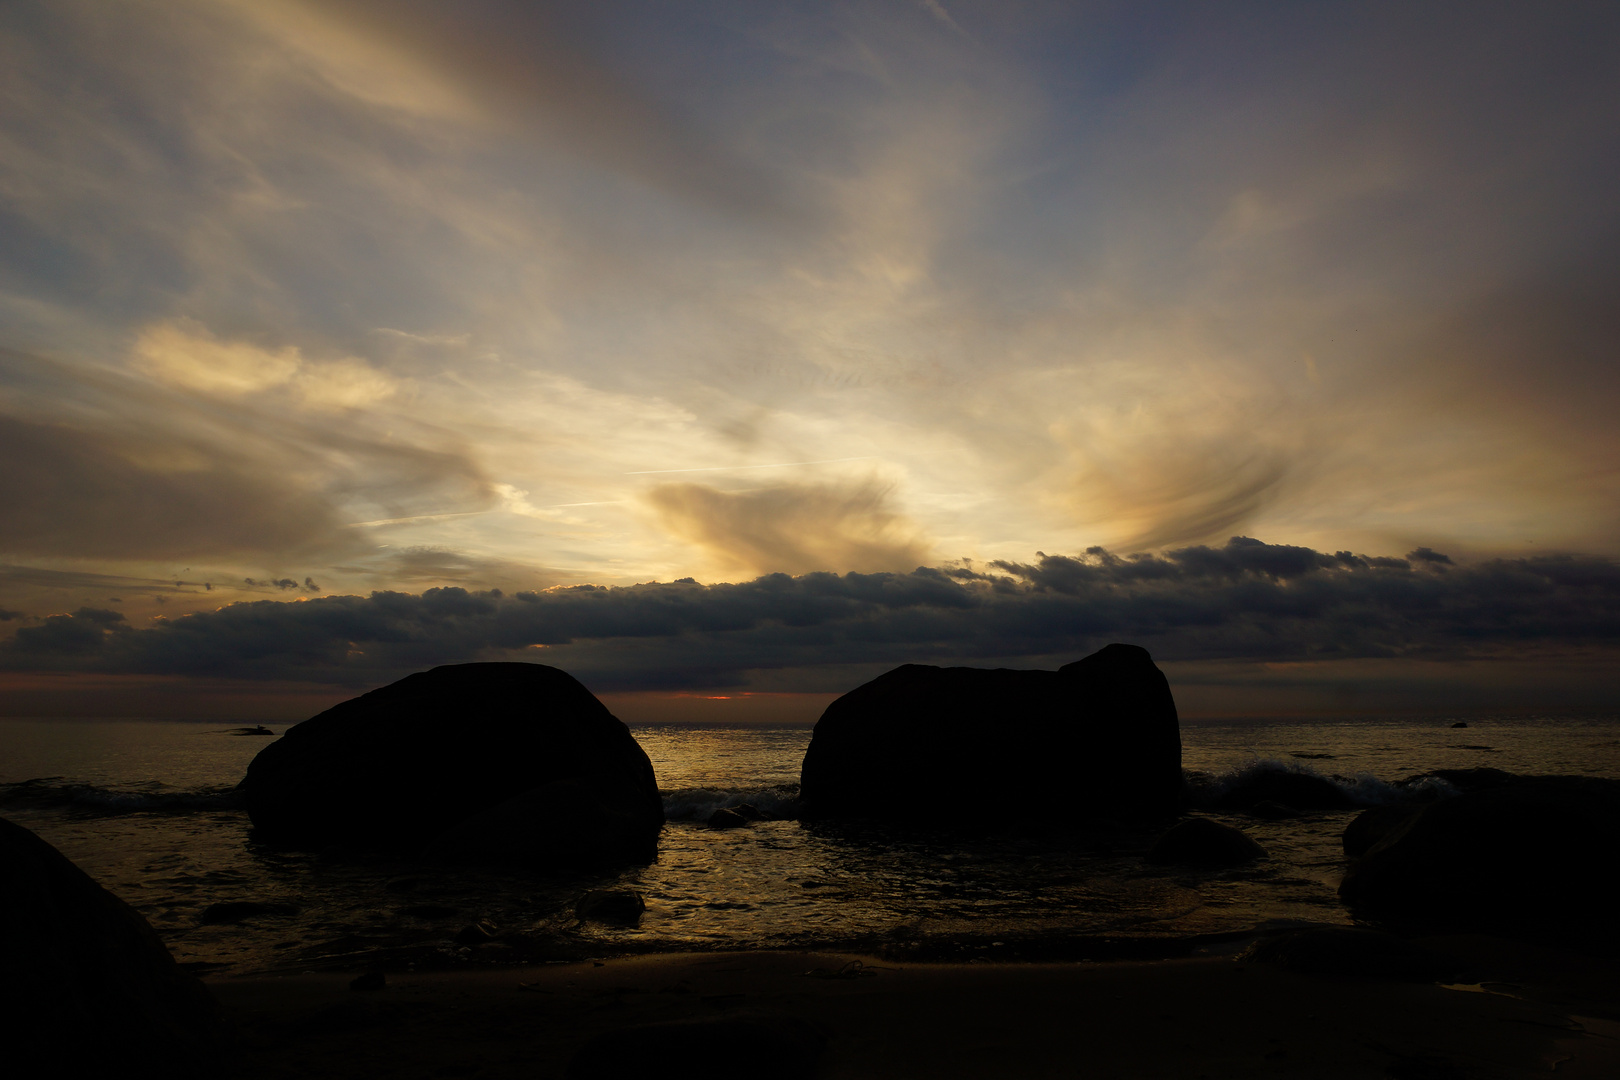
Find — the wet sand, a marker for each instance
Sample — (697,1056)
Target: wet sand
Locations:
(1539,1014)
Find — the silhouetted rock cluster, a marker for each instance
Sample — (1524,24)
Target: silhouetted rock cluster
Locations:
(481,762)
(1097,737)
(1524,856)
(87,985)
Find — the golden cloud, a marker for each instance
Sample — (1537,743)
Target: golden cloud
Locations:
(792,528)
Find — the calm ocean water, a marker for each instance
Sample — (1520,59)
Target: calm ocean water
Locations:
(146,808)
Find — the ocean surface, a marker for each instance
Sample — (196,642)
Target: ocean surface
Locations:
(147,809)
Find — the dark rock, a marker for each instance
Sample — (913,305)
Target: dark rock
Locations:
(371,980)
(1345,950)
(747,811)
(1371,826)
(87,986)
(230,912)
(725,818)
(1273,811)
(1303,791)
(479,933)
(1460,724)
(526,750)
(576,822)
(620,906)
(1202,842)
(1525,858)
(1100,736)
(782,1047)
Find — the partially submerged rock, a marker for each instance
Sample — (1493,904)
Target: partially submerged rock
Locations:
(478,761)
(619,906)
(1371,826)
(1527,857)
(88,986)
(1097,737)
(727,818)
(1202,842)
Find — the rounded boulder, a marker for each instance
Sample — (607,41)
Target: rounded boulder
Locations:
(1528,857)
(483,760)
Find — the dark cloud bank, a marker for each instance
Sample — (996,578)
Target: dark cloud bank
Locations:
(1246,601)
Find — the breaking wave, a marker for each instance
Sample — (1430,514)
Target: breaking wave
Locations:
(1363,789)
(697,803)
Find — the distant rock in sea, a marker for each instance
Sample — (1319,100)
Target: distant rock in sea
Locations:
(482,762)
(1098,737)
(88,988)
(1525,857)
(1201,842)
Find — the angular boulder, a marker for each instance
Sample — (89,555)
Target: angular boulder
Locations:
(1529,857)
(475,761)
(1098,737)
(88,988)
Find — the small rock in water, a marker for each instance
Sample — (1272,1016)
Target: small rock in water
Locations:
(1371,826)
(1460,723)
(727,818)
(231,912)
(371,980)
(610,906)
(477,933)
(1202,842)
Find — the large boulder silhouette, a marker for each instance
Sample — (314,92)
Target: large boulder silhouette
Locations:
(1528,857)
(88,986)
(1098,737)
(479,761)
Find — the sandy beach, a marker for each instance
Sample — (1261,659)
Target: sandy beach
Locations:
(1538,1013)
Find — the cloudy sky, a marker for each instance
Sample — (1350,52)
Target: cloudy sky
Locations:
(727,353)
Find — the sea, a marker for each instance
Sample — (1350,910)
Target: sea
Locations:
(149,810)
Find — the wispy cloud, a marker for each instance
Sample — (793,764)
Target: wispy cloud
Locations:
(311,289)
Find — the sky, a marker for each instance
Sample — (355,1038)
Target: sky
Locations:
(726,354)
